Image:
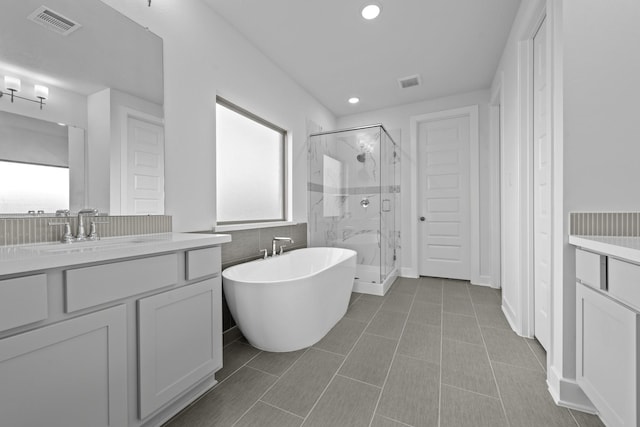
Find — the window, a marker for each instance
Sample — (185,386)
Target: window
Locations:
(250,167)
(32,187)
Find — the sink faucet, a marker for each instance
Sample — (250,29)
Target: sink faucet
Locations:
(278,239)
(81,234)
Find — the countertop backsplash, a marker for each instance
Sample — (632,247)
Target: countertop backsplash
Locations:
(27,230)
(618,224)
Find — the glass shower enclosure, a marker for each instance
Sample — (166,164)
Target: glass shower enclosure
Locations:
(353,195)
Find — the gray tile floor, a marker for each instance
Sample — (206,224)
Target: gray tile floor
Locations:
(432,352)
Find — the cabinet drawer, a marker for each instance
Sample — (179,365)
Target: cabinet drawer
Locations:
(203,262)
(624,282)
(90,286)
(591,269)
(23,300)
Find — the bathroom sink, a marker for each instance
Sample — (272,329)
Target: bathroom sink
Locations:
(91,245)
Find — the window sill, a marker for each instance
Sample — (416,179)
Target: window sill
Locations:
(251,226)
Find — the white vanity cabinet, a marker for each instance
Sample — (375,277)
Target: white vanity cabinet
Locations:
(179,334)
(118,339)
(607,341)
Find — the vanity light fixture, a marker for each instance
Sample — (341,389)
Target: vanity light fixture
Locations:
(371,11)
(13,85)
(354,100)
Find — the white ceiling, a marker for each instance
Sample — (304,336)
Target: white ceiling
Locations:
(331,51)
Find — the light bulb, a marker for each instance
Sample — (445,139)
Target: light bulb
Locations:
(371,11)
(42,92)
(12,83)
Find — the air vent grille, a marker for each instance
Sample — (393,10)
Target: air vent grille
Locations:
(53,21)
(409,81)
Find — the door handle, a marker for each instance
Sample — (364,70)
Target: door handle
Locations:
(422,218)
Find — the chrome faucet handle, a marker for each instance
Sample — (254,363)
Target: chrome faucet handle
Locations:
(266,253)
(88,211)
(282,249)
(278,239)
(93,234)
(67,237)
(63,212)
(81,235)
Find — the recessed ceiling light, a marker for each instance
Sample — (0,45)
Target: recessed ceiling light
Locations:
(354,100)
(371,11)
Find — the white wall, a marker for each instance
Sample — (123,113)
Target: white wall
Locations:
(515,170)
(600,69)
(98,149)
(398,118)
(595,68)
(204,57)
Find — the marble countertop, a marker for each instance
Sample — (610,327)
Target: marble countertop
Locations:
(625,248)
(26,258)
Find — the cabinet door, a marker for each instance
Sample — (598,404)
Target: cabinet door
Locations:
(70,374)
(180,333)
(607,365)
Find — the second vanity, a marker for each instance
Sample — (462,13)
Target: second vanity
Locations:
(119,332)
(608,325)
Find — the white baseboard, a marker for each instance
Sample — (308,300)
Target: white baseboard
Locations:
(508,313)
(484,284)
(566,392)
(409,272)
(484,281)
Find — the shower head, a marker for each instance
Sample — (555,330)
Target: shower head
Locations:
(361,157)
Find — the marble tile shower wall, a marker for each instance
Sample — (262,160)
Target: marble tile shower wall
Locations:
(27,230)
(350,216)
(605,223)
(245,246)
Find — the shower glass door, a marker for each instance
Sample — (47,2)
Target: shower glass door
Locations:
(345,199)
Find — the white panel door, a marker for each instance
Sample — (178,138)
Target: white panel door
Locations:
(72,373)
(443,147)
(541,191)
(143,185)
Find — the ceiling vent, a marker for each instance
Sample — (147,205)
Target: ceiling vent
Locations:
(53,21)
(410,81)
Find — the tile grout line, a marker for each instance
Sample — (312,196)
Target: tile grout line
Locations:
(395,421)
(393,358)
(342,364)
(471,391)
(270,387)
(493,373)
(273,406)
(359,381)
(544,368)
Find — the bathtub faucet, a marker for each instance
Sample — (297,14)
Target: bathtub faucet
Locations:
(278,239)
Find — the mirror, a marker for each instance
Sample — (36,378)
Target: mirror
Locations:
(104,75)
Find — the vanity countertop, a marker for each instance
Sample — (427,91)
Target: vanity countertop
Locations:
(625,248)
(25,258)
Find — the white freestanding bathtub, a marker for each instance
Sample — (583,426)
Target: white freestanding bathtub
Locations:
(290,301)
